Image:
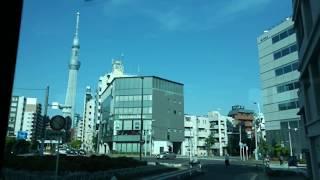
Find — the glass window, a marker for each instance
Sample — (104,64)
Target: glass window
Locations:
(288,87)
(276,55)
(295,66)
(285,52)
(287,69)
(282,107)
(283,35)
(279,71)
(275,39)
(291,31)
(130,98)
(293,48)
(280,89)
(296,85)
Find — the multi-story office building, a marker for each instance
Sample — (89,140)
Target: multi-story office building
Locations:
(31,111)
(103,84)
(16,115)
(278,60)
(218,128)
(307,24)
(130,101)
(78,127)
(196,131)
(25,115)
(88,120)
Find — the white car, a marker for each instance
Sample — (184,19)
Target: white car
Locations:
(166,155)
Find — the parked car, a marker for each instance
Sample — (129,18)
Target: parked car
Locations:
(167,155)
(82,152)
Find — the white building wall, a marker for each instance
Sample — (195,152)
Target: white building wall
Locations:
(218,129)
(197,129)
(30,108)
(89,126)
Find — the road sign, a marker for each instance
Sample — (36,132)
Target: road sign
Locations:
(22,135)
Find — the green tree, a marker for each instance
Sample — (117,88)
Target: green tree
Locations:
(209,142)
(76,144)
(264,148)
(10,142)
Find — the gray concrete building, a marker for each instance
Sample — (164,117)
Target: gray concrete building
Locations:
(278,60)
(161,104)
(306,15)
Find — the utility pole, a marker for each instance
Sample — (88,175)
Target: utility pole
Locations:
(44,121)
(141,120)
(256,141)
(290,144)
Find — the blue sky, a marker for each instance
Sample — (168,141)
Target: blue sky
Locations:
(208,45)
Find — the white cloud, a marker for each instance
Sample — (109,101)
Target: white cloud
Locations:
(235,7)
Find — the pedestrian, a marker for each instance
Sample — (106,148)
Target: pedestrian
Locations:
(281,159)
(226,160)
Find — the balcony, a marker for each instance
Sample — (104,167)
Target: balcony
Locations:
(188,133)
(202,134)
(201,143)
(188,124)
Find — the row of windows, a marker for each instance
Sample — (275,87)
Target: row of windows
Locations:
(288,87)
(133,98)
(287,69)
(284,51)
(146,110)
(288,105)
(282,35)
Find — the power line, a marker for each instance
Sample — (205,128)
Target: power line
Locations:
(30,89)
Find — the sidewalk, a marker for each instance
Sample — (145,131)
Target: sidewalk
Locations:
(300,169)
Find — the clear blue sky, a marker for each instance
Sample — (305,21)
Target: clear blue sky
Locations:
(209,46)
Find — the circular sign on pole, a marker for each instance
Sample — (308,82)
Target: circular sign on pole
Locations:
(57,122)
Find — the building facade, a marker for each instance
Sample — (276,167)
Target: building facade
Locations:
(88,120)
(306,15)
(103,84)
(196,131)
(129,102)
(278,60)
(244,116)
(218,128)
(16,115)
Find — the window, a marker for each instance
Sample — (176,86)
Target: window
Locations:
(275,39)
(295,66)
(291,31)
(279,71)
(277,55)
(284,35)
(174,112)
(293,48)
(284,51)
(286,69)
(288,105)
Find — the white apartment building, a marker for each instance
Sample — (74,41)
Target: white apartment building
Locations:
(88,121)
(218,128)
(16,115)
(197,129)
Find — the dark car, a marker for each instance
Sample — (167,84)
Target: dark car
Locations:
(292,161)
(166,155)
